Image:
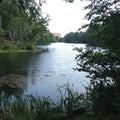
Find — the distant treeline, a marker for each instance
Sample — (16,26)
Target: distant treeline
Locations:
(78,37)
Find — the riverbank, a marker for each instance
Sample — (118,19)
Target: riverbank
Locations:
(10,47)
(40,50)
(41,108)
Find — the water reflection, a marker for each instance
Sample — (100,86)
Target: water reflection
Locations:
(44,71)
(14,63)
(53,68)
(13,84)
(13,73)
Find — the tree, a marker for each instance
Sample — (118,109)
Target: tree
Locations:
(1,30)
(79,37)
(99,10)
(70,37)
(102,63)
(104,16)
(22,21)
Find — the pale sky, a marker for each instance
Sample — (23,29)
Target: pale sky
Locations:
(65,17)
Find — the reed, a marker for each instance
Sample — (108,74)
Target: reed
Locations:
(31,107)
(70,100)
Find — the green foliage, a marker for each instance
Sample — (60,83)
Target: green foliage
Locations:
(105,98)
(77,37)
(45,38)
(99,10)
(22,21)
(27,108)
(57,39)
(81,37)
(40,108)
(103,68)
(107,35)
(6,45)
(1,30)
(70,38)
(102,63)
(72,101)
(70,104)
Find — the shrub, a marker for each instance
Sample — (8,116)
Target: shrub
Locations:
(105,98)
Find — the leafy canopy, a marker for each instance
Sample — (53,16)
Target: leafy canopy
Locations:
(101,60)
(22,21)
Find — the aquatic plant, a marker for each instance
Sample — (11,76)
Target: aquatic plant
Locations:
(29,107)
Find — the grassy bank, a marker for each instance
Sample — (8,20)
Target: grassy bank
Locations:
(71,106)
(18,51)
(10,47)
(40,108)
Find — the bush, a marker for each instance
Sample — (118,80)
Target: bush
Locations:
(27,46)
(105,99)
(7,45)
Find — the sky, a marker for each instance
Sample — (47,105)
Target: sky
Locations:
(65,17)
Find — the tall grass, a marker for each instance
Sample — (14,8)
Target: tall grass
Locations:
(72,101)
(27,108)
(31,107)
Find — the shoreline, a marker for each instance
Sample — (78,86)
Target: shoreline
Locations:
(24,51)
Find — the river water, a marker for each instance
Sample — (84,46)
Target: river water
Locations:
(45,71)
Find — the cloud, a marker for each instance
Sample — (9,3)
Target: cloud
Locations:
(65,17)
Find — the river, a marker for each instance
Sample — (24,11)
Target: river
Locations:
(44,71)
